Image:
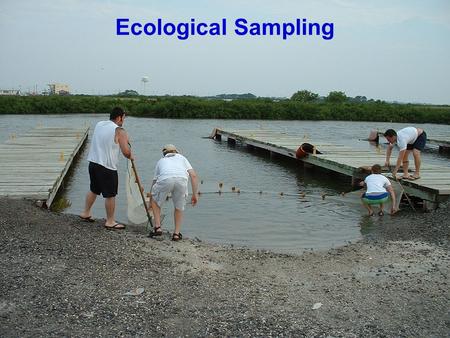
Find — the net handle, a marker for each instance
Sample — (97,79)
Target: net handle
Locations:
(138,181)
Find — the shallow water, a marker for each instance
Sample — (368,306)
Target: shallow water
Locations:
(266,220)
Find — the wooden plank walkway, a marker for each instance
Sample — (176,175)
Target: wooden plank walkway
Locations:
(34,165)
(433,186)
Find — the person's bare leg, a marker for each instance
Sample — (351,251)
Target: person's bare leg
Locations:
(110,206)
(89,202)
(367,206)
(417,162)
(405,163)
(156,214)
(178,218)
(381,212)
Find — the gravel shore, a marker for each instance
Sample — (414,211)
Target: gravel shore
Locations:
(65,277)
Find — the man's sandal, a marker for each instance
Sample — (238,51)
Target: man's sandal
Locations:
(177,237)
(155,232)
(115,226)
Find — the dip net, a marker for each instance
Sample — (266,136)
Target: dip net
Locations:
(135,206)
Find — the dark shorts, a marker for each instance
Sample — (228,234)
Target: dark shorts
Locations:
(420,142)
(103,180)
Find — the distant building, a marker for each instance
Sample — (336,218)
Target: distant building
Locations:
(9,92)
(59,89)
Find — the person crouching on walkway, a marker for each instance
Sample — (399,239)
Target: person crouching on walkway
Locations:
(377,188)
(409,139)
(103,157)
(172,173)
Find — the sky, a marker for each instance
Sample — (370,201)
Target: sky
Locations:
(389,50)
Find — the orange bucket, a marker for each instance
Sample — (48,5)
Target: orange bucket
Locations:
(300,153)
(305,149)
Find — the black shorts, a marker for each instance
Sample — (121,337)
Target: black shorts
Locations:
(103,180)
(420,142)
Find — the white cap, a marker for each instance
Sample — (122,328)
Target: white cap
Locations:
(169,148)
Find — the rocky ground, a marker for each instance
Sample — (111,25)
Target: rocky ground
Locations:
(64,277)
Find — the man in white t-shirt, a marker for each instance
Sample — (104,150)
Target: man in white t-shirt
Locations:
(377,188)
(172,173)
(108,140)
(409,139)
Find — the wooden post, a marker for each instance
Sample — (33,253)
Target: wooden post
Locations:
(444,149)
(429,205)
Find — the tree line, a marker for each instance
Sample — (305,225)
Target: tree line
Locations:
(302,105)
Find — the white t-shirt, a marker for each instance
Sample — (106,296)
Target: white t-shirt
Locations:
(104,150)
(172,165)
(406,136)
(376,183)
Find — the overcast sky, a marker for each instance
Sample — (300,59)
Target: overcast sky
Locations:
(389,50)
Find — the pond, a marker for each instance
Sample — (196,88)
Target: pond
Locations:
(286,222)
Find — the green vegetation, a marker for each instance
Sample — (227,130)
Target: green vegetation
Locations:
(305,96)
(304,106)
(336,97)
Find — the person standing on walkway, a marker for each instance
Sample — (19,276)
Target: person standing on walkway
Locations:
(409,139)
(172,173)
(108,139)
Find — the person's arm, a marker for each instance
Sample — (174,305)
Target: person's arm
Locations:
(194,184)
(392,192)
(401,154)
(387,163)
(363,184)
(150,196)
(122,140)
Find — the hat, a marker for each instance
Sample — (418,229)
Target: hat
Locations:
(169,148)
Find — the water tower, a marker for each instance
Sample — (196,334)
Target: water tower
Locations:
(144,81)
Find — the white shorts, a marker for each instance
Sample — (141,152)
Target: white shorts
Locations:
(177,186)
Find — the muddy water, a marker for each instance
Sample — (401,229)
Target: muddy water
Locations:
(260,216)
